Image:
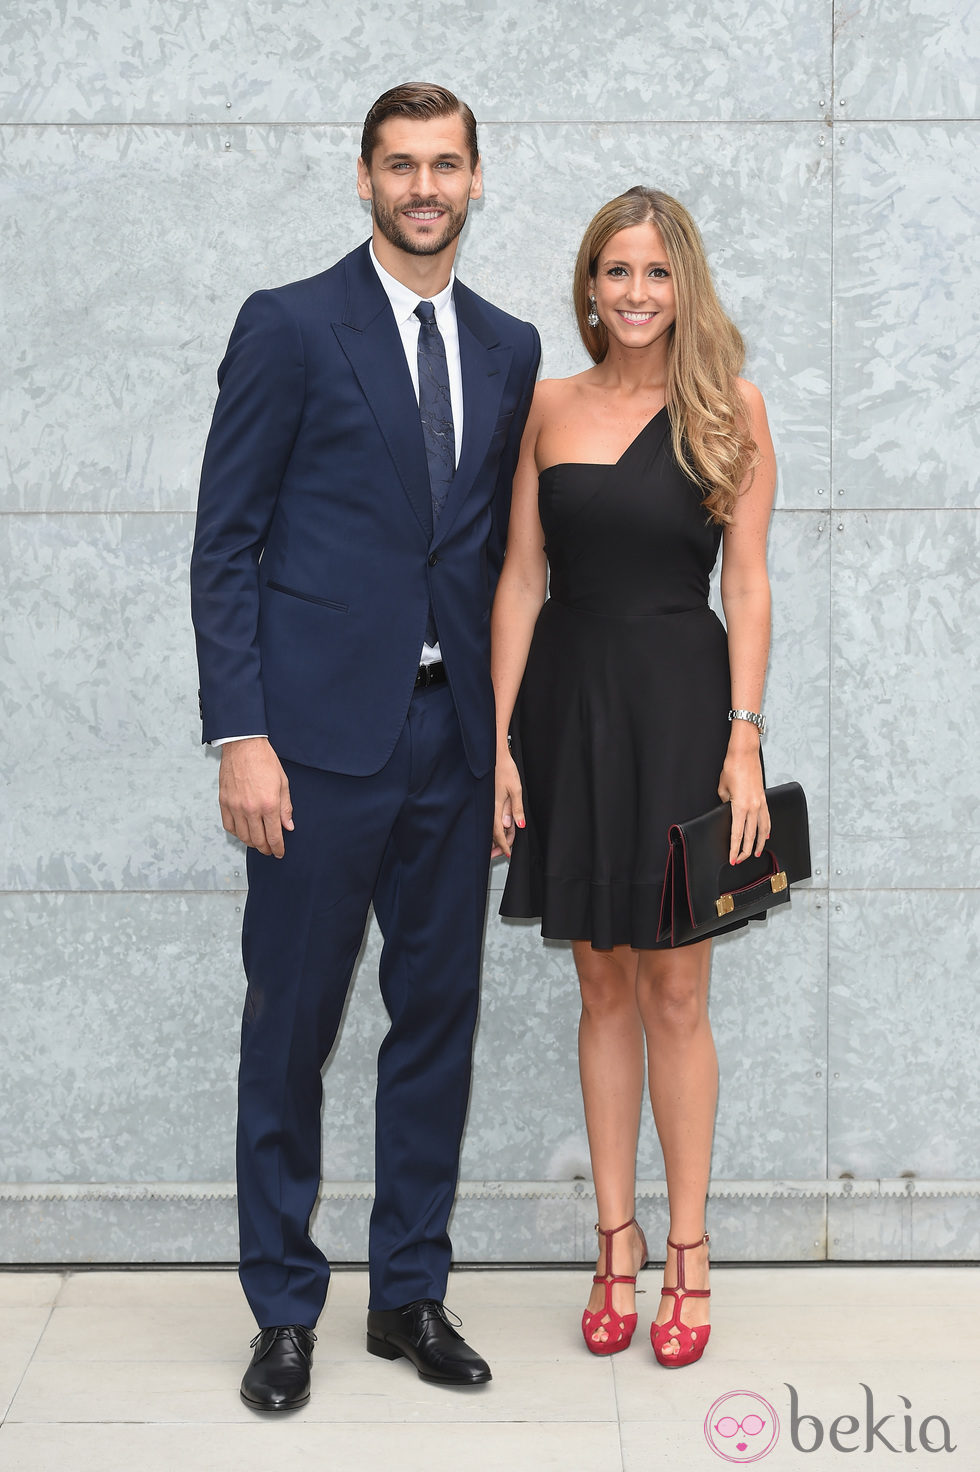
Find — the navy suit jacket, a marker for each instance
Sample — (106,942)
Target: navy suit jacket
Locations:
(315,557)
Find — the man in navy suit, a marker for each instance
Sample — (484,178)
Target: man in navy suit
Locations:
(352,519)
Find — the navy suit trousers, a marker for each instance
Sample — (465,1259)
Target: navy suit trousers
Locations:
(414,839)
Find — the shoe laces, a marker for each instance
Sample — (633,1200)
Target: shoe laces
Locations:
(440,1311)
(282,1329)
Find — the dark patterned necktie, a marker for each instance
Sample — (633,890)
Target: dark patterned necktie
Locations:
(435,407)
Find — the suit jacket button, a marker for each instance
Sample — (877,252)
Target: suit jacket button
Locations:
(433,559)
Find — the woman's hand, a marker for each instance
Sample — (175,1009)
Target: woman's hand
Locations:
(508,805)
(741,785)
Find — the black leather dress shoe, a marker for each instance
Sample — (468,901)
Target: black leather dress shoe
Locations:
(422,1333)
(278,1379)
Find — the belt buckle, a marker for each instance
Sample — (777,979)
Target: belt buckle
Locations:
(429,674)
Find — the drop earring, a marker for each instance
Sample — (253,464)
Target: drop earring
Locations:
(593,317)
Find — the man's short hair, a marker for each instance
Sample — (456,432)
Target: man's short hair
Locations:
(417,100)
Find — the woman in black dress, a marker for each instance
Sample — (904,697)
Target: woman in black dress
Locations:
(623,706)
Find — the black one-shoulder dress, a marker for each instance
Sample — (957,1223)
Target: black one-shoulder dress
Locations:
(621,724)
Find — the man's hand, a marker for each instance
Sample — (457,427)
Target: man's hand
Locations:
(253,792)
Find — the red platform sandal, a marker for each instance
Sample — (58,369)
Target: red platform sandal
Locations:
(606,1331)
(676,1343)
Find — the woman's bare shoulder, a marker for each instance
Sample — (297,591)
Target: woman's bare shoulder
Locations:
(751,397)
(555,395)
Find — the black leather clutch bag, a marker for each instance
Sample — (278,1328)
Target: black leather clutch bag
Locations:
(704,893)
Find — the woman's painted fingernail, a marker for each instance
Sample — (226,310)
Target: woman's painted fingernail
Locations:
(520,822)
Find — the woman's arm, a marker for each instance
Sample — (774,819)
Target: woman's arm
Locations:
(745,598)
(520,595)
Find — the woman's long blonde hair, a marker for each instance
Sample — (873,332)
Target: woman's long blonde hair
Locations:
(705,352)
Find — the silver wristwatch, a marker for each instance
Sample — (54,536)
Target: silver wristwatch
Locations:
(752,716)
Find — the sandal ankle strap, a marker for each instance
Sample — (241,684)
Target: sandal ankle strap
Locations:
(611,1231)
(686,1246)
(680,1248)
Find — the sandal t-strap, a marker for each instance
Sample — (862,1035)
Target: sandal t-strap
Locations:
(606,1331)
(675,1343)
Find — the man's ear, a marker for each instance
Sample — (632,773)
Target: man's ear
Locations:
(476,186)
(363,180)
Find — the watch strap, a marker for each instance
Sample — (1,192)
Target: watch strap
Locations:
(754,718)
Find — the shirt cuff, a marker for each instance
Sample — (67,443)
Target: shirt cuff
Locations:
(224,740)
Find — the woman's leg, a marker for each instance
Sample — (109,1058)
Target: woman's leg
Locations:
(672,993)
(611,1065)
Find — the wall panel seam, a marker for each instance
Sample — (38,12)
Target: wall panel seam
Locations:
(495,1189)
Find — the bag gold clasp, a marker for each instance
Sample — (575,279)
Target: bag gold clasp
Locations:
(725,904)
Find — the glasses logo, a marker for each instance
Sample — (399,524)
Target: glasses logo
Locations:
(741,1427)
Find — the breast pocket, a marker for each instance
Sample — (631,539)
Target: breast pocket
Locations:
(501,430)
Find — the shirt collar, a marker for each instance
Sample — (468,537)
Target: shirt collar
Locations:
(403,299)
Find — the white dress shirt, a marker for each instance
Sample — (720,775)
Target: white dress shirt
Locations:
(403,303)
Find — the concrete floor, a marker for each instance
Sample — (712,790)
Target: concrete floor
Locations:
(139,1371)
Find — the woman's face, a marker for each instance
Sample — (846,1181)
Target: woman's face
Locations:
(633,290)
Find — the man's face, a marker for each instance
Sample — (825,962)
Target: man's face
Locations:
(420,181)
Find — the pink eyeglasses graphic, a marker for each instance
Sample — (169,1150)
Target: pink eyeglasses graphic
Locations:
(749,1426)
(735,1430)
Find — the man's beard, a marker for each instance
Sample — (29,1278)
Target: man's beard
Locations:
(388,223)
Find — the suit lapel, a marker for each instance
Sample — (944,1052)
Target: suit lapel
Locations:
(484,362)
(372,345)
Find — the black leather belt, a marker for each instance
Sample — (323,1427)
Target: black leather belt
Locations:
(430,674)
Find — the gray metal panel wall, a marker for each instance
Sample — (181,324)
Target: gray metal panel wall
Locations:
(162,161)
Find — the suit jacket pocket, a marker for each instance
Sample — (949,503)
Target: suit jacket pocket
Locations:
(308,597)
(500,431)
